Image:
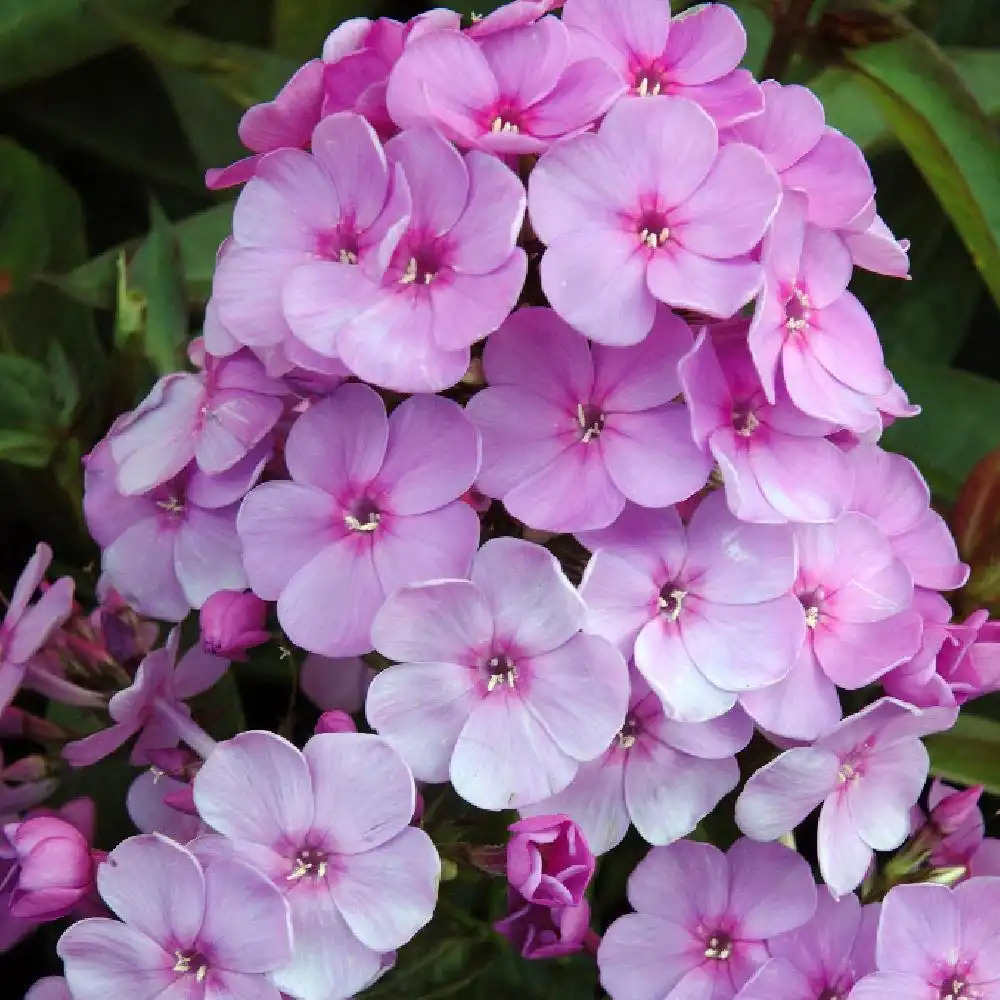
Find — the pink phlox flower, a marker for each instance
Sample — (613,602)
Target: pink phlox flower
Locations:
(231,622)
(937,943)
(810,328)
(661,775)
(336,684)
(857,597)
(372,505)
(496,688)
(572,430)
(508,92)
(286,122)
(703,919)
(705,610)
(630,216)
(26,627)
(169,550)
(150,706)
(890,489)
(826,956)
(811,158)
(451,274)
(867,773)
(694,55)
(537,931)
(549,861)
(360,881)
(340,205)
(215,418)
(515,14)
(148,802)
(210,932)
(775,461)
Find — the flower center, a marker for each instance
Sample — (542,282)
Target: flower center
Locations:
(501,124)
(649,81)
(652,228)
(957,988)
(340,244)
(591,421)
(364,517)
(502,670)
(629,733)
(173,504)
(191,963)
(417,272)
(719,947)
(830,994)
(812,603)
(745,421)
(852,764)
(671,600)
(310,862)
(798,310)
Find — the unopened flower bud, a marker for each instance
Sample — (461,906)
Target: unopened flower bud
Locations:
(548,860)
(335,721)
(956,809)
(233,622)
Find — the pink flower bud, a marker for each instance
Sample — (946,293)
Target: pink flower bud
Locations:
(955,810)
(548,860)
(233,622)
(544,932)
(335,721)
(54,867)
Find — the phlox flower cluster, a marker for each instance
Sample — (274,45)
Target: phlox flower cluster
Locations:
(533,422)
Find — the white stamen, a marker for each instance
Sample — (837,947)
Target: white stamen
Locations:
(348,257)
(370,525)
(812,616)
(671,606)
(499,125)
(409,276)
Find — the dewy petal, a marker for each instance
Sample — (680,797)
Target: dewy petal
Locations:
(595,279)
(532,603)
(327,607)
(844,858)
(705,44)
(281,526)
(256,787)
(339,442)
(579,692)
(504,758)
(718,288)
(431,458)
(643,957)
(729,213)
(781,794)
(103,958)
(421,708)
(247,923)
(156,887)
(441,620)
(366,771)
(402,875)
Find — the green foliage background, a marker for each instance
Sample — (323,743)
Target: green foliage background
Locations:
(112,109)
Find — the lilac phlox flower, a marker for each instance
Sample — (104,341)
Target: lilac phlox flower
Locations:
(808,326)
(336,684)
(330,825)
(694,55)
(448,276)
(936,943)
(873,246)
(287,121)
(372,505)
(149,809)
(538,931)
(340,205)
(703,919)
(507,92)
(630,216)
(867,773)
(214,417)
(825,957)
(153,707)
(890,489)
(204,933)
(170,549)
(26,627)
(571,430)
(661,775)
(775,461)
(549,860)
(704,610)
(496,687)
(857,598)
(811,158)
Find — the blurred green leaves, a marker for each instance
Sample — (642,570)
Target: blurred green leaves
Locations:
(969,753)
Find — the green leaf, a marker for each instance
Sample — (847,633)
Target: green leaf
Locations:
(957,427)
(41,37)
(300,26)
(947,134)
(969,753)
(26,447)
(197,238)
(28,413)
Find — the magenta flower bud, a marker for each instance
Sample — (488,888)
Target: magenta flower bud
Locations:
(544,932)
(54,867)
(335,721)
(233,622)
(955,810)
(548,860)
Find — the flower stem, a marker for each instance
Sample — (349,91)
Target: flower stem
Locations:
(185,728)
(790,17)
